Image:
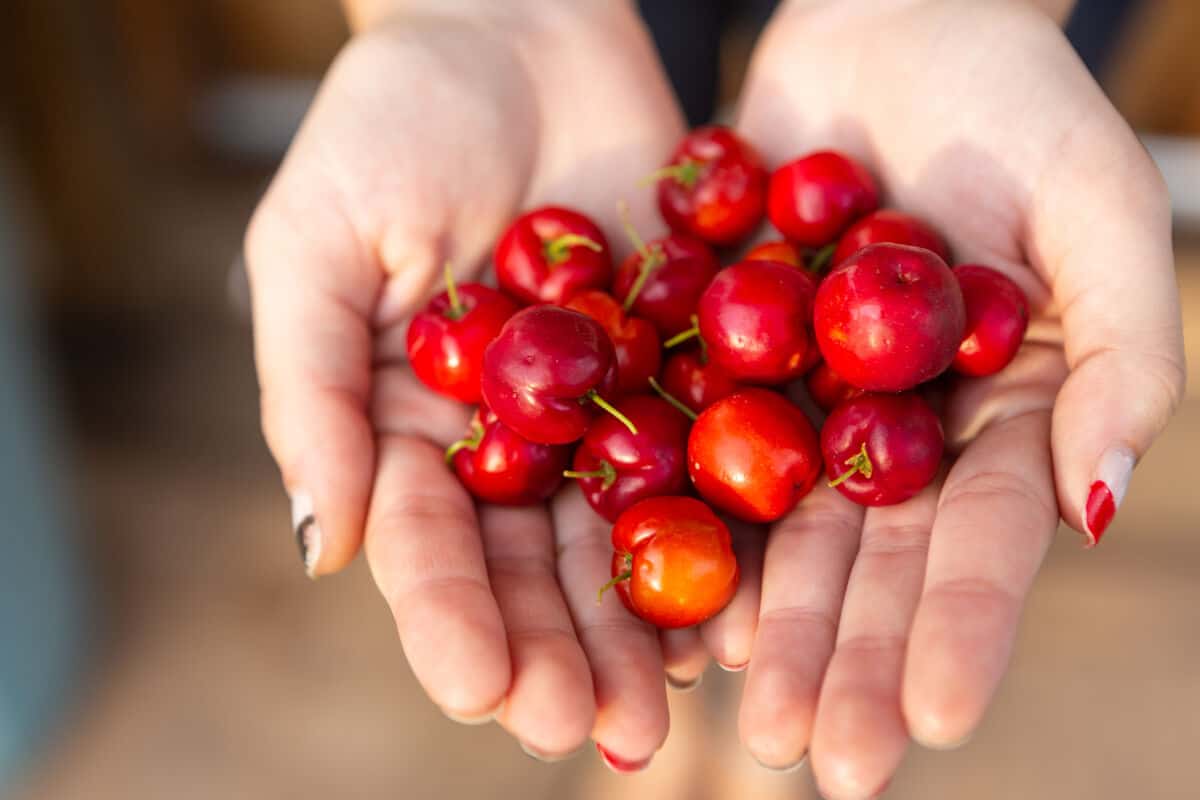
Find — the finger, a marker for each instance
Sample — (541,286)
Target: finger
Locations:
(995,520)
(1103,236)
(859,735)
(312,295)
(684,657)
(550,706)
(807,563)
(402,406)
(729,636)
(423,547)
(623,651)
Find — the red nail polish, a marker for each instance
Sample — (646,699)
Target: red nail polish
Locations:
(1100,510)
(621,765)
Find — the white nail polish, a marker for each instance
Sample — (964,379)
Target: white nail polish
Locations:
(307,531)
(1116,469)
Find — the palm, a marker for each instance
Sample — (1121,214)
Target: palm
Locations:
(898,621)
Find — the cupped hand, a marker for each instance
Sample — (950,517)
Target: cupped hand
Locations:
(898,622)
(429,135)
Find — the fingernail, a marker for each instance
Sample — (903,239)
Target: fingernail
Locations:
(546,758)
(735,667)
(788,769)
(1107,491)
(684,686)
(622,765)
(474,719)
(931,744)
(307,531)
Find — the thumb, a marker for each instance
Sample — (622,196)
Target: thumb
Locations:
(1105,239)
(312,296)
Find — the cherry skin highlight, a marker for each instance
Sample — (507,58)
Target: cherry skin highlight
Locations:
(813,199)
(754,318)
(828,389)
(753,455)
(714,187)
(617,468)
(890,226)
(635,341)
(777,250)
(997,317)
(673,563)
(548,373)
(446,339)
(666,278)
(889,318)
(882,449)
(695,381)
(498,466)
(549,254)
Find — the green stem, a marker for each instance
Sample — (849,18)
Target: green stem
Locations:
(672,399)
(683,336)
(685,173)
(595,397)
(651,257)
(456,307)
(558,248)
(621,576)
(821,259)
(859,462)
(606,471)
(467,442)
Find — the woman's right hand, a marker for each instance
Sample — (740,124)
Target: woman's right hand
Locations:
(431,132)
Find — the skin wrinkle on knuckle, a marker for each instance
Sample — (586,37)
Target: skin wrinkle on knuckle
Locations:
(980,488)
(977,589)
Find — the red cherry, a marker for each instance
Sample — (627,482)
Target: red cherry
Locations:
(882,449)
(498,466)
(635,341)
(695,381)
(813,199)
(828,389)
(548,373)
(895,227)
(753,454)
(714,187)
(997,316)
(754,319)
(549,254)
(889,318)
(673,564)
(617,468)
(777,250)
(663,280)
(446,339)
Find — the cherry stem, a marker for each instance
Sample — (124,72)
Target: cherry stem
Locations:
(672,399)
(606,471)
(456,306)
(685,173)
(859,462)
(467,442)
(595,397)
(622,576)
(558,248)
(651,257)
(683,336)
(821,259)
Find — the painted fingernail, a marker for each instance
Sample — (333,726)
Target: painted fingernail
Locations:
(1107,491)
(621,765)
(684,686)
(307,531)
(546,758)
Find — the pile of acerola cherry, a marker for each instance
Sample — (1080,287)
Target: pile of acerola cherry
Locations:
(664,379)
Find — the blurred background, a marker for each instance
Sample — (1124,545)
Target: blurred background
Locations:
(159,638)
